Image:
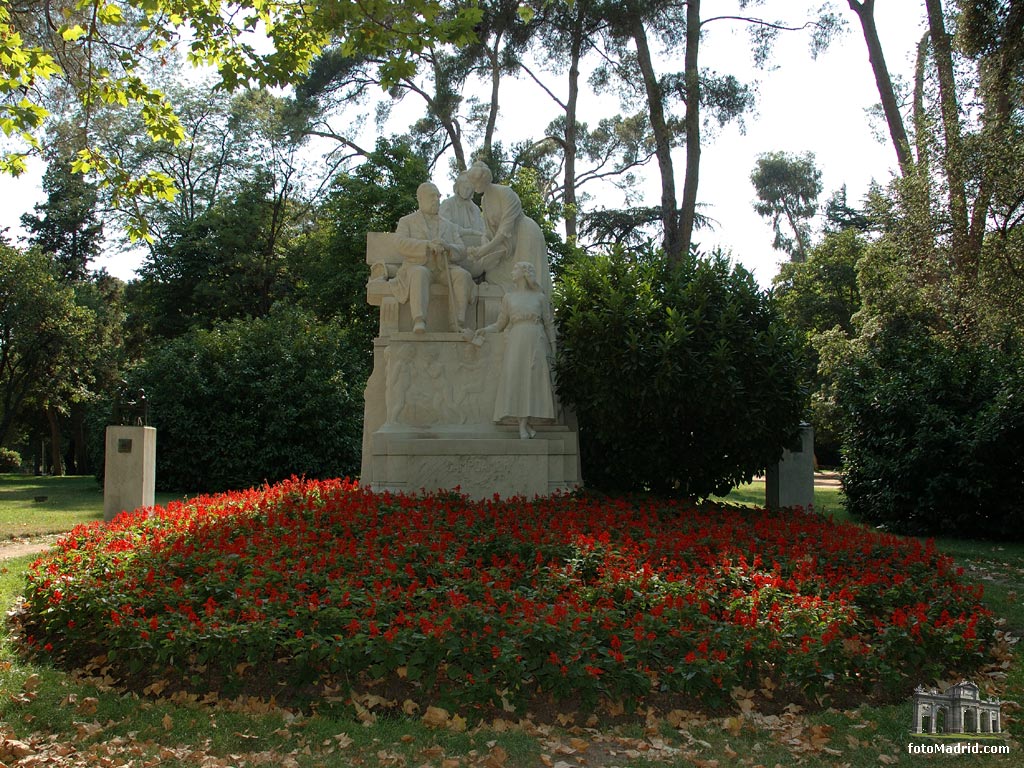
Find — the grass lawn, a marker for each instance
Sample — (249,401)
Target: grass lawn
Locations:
(80,719)
(827,501)
(35,506)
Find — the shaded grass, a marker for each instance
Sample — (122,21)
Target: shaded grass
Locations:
(68,502)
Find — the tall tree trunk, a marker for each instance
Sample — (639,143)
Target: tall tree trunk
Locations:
(919,182)
(802,246)
(996,71)
(492,115)
(691,78)
(965,261)
(81,455)
(920,116)
(444,116)
(56,459)
(866,13)
(662,142)
(571,134)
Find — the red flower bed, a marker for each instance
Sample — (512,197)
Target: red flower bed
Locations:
(500,601)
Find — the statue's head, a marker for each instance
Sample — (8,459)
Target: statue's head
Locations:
(525,270)
(429,197)
(480,176)
(464,186)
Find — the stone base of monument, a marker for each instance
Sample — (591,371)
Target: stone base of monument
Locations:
(129,469)
(479,462)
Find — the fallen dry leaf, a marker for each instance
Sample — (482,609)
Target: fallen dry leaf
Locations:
(496,758)
(85,731)
(820,735)
(343,740)
(615,708)
(579,744)
(13,749)
(88,706)
(436,717)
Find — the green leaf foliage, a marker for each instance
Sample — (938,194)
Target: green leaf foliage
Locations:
(44,334)
(787,189)
(685,380)
(328,264)
(819,297)
(933,433)
(254,400)
(116,40)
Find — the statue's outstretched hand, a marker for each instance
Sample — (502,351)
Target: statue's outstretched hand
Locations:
(490,261)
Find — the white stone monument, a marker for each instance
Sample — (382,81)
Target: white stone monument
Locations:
(431,400)
(129,469)
(790,483)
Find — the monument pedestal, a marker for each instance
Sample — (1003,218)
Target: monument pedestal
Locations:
(129,469)
(479,462)
(790,483)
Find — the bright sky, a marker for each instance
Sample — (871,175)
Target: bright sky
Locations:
(803,105)
(807,105)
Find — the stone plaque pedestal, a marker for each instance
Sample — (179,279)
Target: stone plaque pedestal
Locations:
(129,474)
(791,482)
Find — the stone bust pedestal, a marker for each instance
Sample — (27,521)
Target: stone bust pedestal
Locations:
(429,403)
(129,469)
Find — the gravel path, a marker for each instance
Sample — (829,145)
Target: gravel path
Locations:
(28,546)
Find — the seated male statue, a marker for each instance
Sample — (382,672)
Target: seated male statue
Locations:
(431,251)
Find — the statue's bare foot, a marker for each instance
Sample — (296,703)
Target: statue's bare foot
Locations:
(419,327)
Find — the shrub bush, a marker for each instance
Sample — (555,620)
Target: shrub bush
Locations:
(684,381)
(255,400)
(933,434)
(10,461)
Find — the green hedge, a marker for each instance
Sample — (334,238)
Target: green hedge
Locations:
(685,381)
(933,434)
(255,400)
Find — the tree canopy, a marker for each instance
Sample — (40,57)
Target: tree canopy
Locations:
(787,188)
(100,54)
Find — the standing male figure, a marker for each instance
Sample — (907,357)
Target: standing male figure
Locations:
(430,247)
